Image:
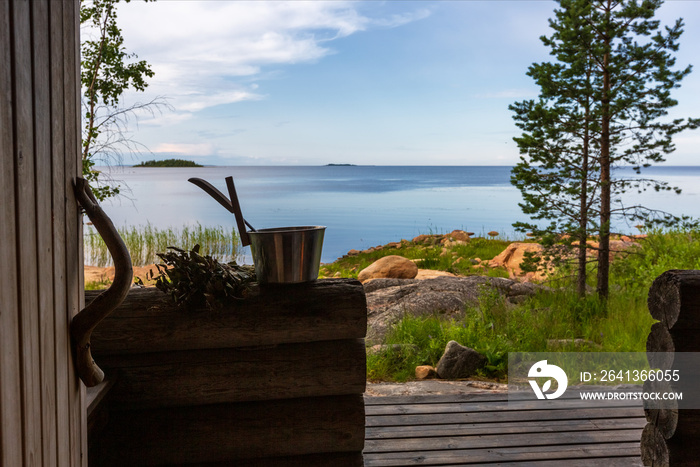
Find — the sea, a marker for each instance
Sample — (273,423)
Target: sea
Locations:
(361,206)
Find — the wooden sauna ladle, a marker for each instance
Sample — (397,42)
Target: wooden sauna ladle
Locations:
(232,205)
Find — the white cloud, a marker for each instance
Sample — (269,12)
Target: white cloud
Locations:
(167,119)
(201,100)
(199,149)
(401,19)
(207,53)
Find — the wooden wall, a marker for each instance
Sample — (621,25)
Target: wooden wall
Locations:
(42,415)
(275,379)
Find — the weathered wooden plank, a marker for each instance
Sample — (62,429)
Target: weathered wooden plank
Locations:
(503,440)
(477,417)
(496,406)
(227,432)
(436,398)
(11,451)
(73,221)
(472,396)
(26,230)
(198,377)
(631,461)
(58,206)
(583,454)
(342,459)
(474,429)
(147,321)
(44,222)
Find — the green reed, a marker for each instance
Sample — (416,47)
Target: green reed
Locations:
(144,242)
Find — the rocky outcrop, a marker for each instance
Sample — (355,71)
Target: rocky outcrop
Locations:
(512,257)
(432,274)
(390,299)
(391,266)
(459,362)
(616,246)
(456,237)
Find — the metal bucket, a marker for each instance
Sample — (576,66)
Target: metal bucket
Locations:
(287,255)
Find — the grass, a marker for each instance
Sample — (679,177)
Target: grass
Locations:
(144,242)
(97,285)
(459,259)
(494,327)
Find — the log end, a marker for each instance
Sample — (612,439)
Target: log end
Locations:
(654,448)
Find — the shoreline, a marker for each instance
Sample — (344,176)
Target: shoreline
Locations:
(508,258)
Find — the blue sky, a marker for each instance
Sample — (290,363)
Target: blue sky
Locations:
(384,83)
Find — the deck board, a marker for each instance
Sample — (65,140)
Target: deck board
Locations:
(484,429)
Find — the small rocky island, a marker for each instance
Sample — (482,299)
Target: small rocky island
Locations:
(169,163)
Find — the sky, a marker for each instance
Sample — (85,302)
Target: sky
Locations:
(369,82)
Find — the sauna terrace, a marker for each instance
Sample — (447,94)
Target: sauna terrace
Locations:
(484,429)
(279,379)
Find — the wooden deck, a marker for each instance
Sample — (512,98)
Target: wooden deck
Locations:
(483,429)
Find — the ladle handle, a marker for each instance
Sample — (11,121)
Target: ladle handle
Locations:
(231,206)
(235,205)
(213,192)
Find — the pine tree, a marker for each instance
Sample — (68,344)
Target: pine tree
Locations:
(601,106)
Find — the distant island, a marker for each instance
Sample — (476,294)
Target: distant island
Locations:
(169,163)
(340,165)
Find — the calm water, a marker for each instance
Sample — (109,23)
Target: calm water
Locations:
(362,206)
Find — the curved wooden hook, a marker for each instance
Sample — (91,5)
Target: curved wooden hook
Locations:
(84,322)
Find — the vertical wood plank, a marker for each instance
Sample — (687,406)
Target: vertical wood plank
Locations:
(58,200)
(10,389)
(73,221)
(41,402)
(44,222)
(25,202)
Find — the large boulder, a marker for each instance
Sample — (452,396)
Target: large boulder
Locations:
(459,362)
(392,266)
(388,300)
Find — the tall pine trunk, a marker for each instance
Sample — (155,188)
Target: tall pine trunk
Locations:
(583,216)
(605,186)
(583,212)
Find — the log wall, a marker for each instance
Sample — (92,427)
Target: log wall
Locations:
(276,379)
(670,436)
(42,415)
